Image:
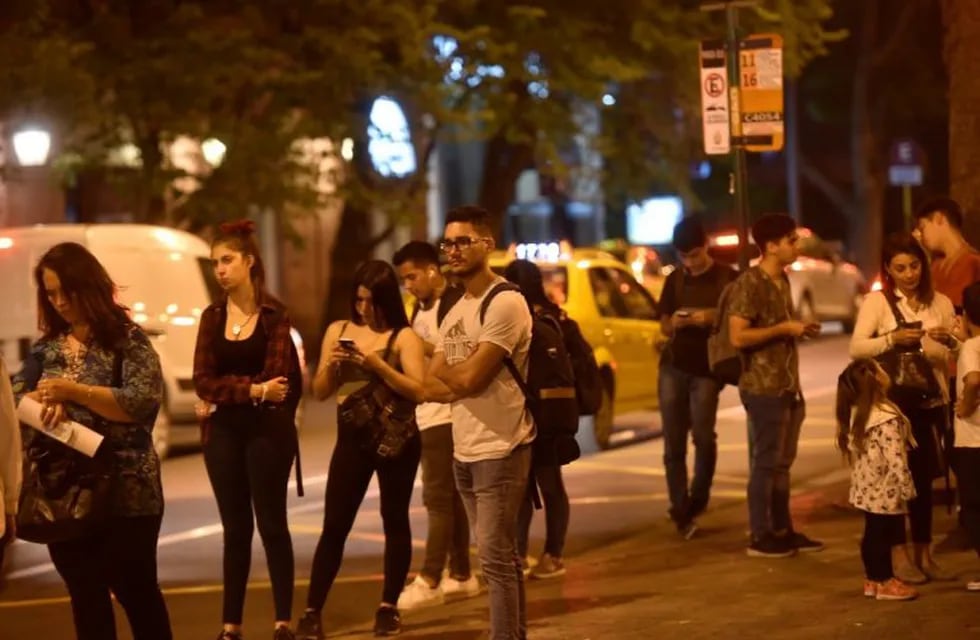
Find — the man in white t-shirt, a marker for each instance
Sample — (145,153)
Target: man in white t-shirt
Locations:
(448,535)
(491,426)
(966,454)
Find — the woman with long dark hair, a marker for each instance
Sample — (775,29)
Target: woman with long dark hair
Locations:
(928,320)
(246,366)
(545,458)
(373,345)
(93,365)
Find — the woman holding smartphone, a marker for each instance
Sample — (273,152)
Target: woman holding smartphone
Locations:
(928,321)
(372,345)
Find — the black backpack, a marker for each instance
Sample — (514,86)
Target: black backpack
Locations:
(588,384)
(550,386)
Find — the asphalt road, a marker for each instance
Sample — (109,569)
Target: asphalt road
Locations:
(611,496)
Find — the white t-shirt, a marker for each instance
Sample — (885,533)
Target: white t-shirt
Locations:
(967,429)
(430,414)
(493,423)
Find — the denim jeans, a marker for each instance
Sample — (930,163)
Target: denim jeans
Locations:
(492,492)
(449,531)
(688,404)
(774,433)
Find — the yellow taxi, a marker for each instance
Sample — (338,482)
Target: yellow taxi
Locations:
(617,315)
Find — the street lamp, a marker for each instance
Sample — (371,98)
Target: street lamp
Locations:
(31,146)
(214,151)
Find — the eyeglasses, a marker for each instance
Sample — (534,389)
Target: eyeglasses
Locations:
(462,243)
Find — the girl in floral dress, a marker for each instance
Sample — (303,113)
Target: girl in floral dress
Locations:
(875,437)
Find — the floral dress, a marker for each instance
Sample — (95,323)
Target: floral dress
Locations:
(880,478)
(133,372)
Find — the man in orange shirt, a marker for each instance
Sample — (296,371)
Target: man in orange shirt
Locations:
(956,265)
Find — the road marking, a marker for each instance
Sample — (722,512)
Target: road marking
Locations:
(194,590)
(738,411)
(198,533)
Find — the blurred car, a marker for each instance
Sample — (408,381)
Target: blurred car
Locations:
(645,263)
(824,286)
(617,315)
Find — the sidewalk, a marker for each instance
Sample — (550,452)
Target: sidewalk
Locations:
(652,584)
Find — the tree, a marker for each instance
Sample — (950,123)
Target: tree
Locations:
(962,52)
(869,111)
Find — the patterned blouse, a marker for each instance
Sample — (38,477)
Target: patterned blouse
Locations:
(880,478)
(137,373)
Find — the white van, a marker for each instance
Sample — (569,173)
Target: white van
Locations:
(164,277)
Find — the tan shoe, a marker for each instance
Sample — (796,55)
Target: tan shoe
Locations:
(895,589)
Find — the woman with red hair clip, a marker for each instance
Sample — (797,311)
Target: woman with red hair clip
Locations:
(247,373)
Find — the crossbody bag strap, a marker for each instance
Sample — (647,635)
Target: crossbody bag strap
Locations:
(892,301)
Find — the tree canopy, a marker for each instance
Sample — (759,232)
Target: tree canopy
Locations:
(263,74)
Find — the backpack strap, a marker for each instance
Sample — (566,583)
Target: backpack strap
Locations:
(497,289)
(447,301)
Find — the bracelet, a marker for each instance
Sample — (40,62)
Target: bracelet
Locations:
(265,389)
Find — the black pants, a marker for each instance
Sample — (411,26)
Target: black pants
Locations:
(122,560)
(967,464)
(347,482)
(880,530)
(248,465)
(548,479)
(923,464)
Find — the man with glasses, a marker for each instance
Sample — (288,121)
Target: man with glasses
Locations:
(688,392)
(492,429)
(762,325)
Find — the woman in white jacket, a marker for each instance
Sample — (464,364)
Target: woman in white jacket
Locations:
(10,461)
(906,280)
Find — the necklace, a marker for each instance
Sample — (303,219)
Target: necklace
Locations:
(236,328)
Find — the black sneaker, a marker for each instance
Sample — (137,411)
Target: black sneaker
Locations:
(309,627)
(688,529)
(803,544)
(771,547)
(387,622)
(283,633)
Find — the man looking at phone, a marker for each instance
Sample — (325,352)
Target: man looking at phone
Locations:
(688,392)
(762,326)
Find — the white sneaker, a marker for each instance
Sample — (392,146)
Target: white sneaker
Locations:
(418,595)
(451,587)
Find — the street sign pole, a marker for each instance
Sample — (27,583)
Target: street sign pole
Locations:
(738,181)
(740,186)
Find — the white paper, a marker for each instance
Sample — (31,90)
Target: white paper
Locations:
(75,435)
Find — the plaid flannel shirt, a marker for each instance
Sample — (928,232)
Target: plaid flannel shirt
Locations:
(234,389)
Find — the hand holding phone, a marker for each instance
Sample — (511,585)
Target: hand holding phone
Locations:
(347,344)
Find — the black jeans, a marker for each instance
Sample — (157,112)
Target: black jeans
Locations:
(248,464)
(876,546)
(966,461)
(350,474)
(449,531)
(923,465)
(556,510)
(122,560)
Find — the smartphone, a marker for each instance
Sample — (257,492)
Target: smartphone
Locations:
(913,325)
(346,343)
